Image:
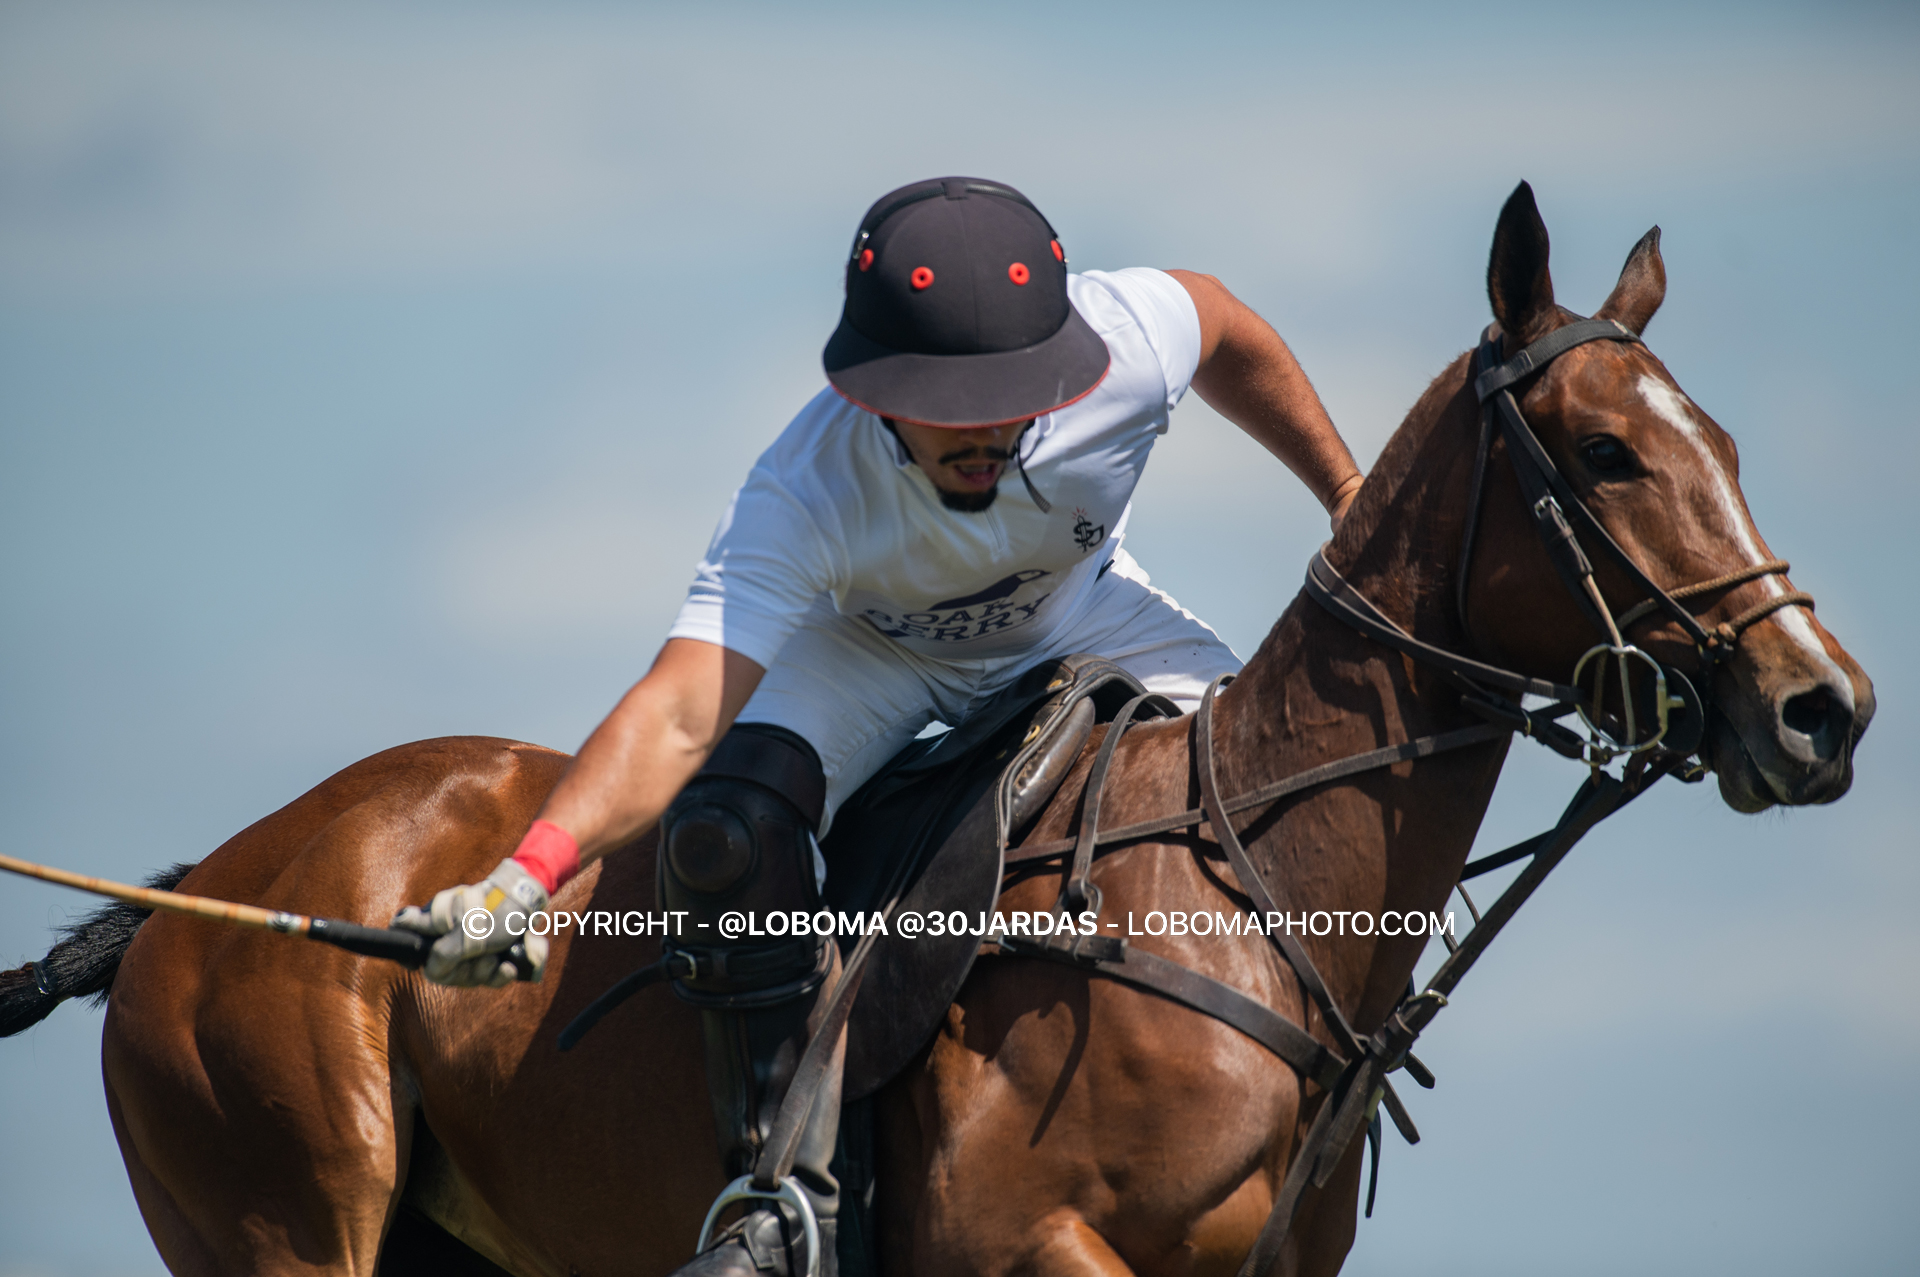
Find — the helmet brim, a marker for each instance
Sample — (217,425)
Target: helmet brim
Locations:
(962,391)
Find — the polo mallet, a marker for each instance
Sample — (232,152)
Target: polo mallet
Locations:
(404,947)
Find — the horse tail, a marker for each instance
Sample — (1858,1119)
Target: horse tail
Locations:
(81,964)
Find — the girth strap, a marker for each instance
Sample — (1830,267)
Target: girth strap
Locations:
(1114,958)
(1250,880)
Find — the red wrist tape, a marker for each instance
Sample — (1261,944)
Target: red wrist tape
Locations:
(550,854)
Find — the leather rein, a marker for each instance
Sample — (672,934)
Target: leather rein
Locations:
(1354,1071)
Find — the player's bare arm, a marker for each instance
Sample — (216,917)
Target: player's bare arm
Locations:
(1248,375)
(650,746)
(620,783)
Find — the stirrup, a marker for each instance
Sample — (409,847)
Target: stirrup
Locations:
(743,1190)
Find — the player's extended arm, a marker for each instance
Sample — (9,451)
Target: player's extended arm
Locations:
(650,746)
(1248,376)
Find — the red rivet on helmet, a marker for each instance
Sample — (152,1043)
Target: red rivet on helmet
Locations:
(1018,273)
(921,278)
(866,259)
(1059,253)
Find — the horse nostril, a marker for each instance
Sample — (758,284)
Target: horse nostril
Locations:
(1807,712)
(1821,717)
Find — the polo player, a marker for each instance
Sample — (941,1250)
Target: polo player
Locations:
(870,577)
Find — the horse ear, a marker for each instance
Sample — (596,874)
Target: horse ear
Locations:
(1518,283)
(1642,286)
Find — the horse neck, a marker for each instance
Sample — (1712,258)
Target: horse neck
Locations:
(1400,547)
(1317,691)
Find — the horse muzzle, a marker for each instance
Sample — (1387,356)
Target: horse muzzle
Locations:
(1791,745)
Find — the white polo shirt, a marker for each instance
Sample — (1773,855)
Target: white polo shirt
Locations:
(837,508)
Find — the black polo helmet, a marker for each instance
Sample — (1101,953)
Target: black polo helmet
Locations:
(957,312)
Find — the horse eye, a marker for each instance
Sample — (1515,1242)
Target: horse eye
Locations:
(1606,454)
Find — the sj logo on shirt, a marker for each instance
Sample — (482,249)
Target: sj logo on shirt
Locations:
(1087,533)
(981,613)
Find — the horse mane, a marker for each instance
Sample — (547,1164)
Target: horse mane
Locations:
(1396,467)
(1416,470)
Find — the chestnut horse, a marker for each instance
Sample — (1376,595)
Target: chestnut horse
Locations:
(277,1102)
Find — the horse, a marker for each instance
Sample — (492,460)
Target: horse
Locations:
(285,1108)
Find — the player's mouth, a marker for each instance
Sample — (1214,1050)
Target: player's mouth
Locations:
(977,476)
(977,468)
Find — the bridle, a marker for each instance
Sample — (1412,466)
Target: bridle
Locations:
(1353,1073)
(1550,500)
(1562,520)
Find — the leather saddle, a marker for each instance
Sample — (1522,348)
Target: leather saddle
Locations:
(931,829)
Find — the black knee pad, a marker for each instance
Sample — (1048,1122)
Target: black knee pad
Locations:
(736,845)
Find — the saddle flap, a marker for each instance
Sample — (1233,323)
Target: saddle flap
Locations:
(931,828)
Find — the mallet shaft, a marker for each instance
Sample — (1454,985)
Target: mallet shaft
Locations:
(404,947)
(171,901)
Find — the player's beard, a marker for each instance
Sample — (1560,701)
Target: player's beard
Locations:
(968,502)
(973,502)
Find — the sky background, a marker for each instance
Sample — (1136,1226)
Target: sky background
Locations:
(377,372)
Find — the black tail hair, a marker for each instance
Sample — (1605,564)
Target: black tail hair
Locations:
(82,964)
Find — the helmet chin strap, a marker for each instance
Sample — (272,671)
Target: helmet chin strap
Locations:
(1020,461)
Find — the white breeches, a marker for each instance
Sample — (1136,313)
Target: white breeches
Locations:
(858,697)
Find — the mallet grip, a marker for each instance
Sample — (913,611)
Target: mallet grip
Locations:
(405,947)
(408,948)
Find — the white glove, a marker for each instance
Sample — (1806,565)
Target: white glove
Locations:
(475,925)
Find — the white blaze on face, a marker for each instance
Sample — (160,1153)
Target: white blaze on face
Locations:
(1736,527)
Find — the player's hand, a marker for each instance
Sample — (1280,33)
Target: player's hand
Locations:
(1343,501)
(475,925)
